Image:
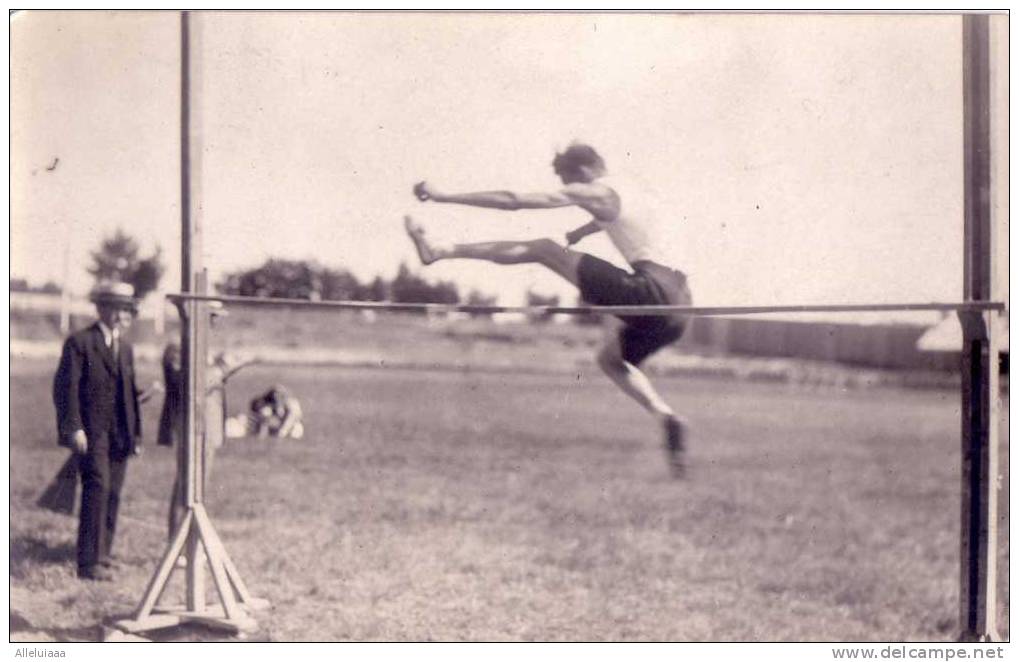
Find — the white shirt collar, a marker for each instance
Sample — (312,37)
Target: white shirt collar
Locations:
(108,333)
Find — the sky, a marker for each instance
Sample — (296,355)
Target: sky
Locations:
(797,158)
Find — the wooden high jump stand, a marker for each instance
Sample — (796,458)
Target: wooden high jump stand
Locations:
(980,388)
(196,539)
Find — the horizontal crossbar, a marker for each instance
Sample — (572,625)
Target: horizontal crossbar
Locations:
(647,311)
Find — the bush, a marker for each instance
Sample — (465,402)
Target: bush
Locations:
(535,299)
(117,260)
(298,279)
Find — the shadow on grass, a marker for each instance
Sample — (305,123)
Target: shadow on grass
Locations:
(188,632)
(195,632)
(28,551)
(22,630)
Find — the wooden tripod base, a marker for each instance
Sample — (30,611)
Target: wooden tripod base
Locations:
(197,542)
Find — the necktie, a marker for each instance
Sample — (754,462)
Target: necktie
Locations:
(115,346)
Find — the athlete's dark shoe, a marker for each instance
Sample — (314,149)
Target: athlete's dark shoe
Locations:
(675,445)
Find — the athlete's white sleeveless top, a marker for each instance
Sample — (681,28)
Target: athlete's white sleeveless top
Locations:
(637,231)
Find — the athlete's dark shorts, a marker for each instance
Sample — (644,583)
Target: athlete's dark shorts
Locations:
(604,284)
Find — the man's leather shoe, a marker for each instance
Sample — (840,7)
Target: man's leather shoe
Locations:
(95,573)
(110,562)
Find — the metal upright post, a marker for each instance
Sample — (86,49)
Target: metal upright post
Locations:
(192,350)
(980,395)
(196,539)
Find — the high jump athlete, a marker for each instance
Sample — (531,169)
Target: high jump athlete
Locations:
(621,209)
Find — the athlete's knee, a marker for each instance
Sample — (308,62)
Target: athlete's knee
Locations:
(610,361)
(555,256)
(545,248)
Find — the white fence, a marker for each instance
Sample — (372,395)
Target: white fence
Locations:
(154,307)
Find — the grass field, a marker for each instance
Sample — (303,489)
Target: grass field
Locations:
(427,505)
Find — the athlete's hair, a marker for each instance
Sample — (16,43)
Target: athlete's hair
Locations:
(575,156)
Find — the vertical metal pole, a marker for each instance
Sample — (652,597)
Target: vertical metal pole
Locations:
(192,357)
(193,327)
(980,406)
(186,269)
(196,534)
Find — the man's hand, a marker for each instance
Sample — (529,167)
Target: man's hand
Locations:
(150,392)
(425,191)
(79,442)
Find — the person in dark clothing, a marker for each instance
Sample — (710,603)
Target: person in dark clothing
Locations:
(97,407)
(171,432)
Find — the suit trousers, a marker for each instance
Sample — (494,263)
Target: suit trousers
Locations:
(102,476)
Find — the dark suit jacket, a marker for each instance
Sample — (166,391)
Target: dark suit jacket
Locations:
(170,419)
(91,394)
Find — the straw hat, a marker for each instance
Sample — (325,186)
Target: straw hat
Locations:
(119,295)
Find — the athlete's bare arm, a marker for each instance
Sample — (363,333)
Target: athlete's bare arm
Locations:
(573,236)
(598,199)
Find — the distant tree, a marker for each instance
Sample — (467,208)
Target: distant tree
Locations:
(476,298)
(279,278)
(445,291)
(408,287)
(22,285)
(378,291)
(340,285)
(297,279)
(147,274)
(535,299)
(117,259)
(231,284)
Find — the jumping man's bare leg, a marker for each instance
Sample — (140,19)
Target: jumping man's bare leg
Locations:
(634,383)
(546,252)
(566,263)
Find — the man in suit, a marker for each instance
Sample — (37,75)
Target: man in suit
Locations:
(96,401)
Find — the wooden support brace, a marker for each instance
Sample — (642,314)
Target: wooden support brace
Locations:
(158,581)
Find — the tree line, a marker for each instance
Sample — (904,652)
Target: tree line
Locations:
(303,279)
(119,258)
